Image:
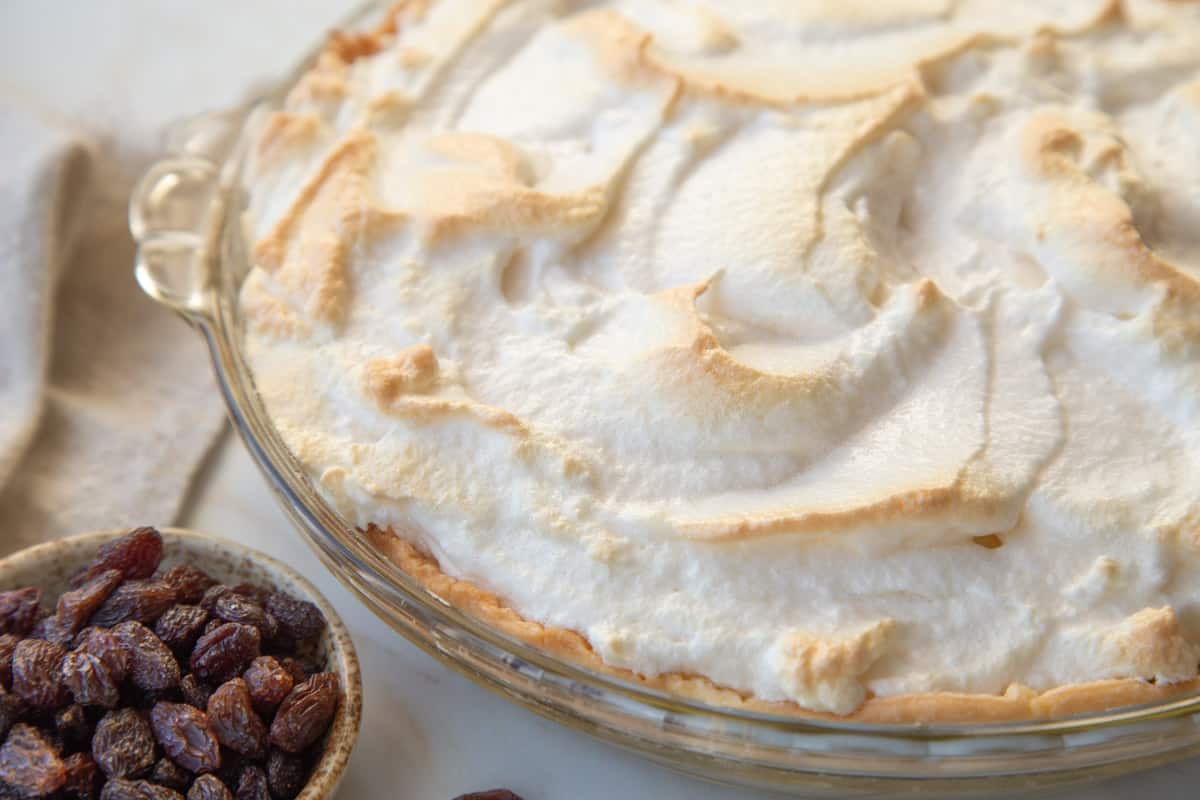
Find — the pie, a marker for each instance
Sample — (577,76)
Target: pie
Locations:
(836,358)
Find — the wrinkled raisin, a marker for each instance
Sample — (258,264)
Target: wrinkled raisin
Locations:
(268,683)
(305,713)
(233,718)
(493,794)
(88,680)
(257,594)
(12,708)
(136,554)
(142,601)
(151,664)
(49,629)
(186,736)
(252,785)
(181,626)
(212,625)
(28,764)
(103,645)
(167,773)
(82,777)
(299,619)
(72,726)
(19,610)
(77,606)
(295,669)
(214,593)
(137,790)
(36,679)
(8,643)
(194,691)
(233,607)
(286,774)
(221,654)
(190,583)
(123,744)
(209,787)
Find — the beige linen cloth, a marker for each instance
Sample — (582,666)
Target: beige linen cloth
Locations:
(107,404)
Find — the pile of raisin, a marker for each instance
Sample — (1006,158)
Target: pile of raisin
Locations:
(148,685)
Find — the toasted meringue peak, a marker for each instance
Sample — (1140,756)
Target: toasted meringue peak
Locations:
(827,350)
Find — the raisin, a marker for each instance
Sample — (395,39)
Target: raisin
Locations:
(268,683)
(181,626)
(295,669)
(82,777)
(88,680)
(28,764)
(36,679)
(167,773)
(209,787)
(151,664)
(8,643)
(493,794)
(137,790)
(305,713)
(252,785)
(186,736)
(212,625)
(233,607)
(214,593)
(195,691)
(142,601)
(104,645)
(19,610)
(299,619)
(136,555)
(190,583)
(221,654)
(123,744)
(233,718)
(12,708)
(286,774)
(71,724)
(254,593)
(49,629)
(76,606)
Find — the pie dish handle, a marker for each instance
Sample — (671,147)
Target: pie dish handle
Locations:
(174,213)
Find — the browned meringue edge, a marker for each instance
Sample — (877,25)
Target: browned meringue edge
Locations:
(1017,703)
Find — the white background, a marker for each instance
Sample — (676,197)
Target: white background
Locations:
(119,70)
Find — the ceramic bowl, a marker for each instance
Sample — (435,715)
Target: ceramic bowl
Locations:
(49,566)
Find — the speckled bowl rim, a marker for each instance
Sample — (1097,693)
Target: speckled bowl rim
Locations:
(72,552)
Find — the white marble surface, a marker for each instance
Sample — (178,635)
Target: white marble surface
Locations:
(429,733)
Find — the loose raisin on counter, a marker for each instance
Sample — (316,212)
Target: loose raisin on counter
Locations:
(8,643)
(136,554)
(142,601)
(286,774)
(268,683)
(181,626)
(167,773)
(82,777)
(152,666)
(75,607)
(493,794)
(123,744)
(71,724)
(233,718)
(137,790)
(186,736)
(252,785)
(19,610)
(221,654)
(297,618)
(88,680)
(103,644)
(28,763)
(233,607)
(305,713)
(190,583)
(209,787)
(36,679)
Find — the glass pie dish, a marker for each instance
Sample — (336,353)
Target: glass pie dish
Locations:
(186,215)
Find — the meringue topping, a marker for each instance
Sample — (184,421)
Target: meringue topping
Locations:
(825,350)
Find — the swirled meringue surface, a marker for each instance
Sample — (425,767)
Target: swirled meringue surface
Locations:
(821,349)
